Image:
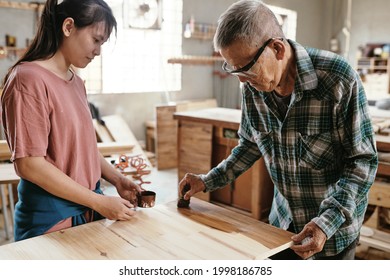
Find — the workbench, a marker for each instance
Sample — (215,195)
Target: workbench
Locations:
(203,231)
(8,182)
(205,138)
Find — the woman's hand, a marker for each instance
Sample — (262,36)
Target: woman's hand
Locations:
(128,190)
(114,208)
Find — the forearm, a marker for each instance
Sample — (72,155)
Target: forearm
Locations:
(44,174)
(109,173)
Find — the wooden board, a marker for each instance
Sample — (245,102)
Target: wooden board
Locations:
(166,139)
(166,129)
(375,239)
(8,174)
(205,231)
(5,153)
(120,132)
(194,150)
(114,148)
(102,134)
(379,194)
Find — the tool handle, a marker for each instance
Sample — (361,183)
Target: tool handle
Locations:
(183,203)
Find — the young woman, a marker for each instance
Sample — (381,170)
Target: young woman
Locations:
(48,124)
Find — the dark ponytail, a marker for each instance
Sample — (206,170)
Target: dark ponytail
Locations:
(49,35)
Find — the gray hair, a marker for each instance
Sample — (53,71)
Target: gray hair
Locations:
(248,20)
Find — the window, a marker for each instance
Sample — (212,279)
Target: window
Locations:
(136,60)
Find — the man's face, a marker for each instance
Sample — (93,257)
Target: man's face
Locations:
(252,64)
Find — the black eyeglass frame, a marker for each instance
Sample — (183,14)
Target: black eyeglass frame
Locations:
(251,63)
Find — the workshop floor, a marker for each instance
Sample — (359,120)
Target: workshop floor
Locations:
(165,182)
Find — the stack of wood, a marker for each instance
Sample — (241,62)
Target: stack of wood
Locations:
(381,126)
(375,234)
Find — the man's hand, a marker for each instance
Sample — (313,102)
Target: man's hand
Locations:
(194,181)
(309,241)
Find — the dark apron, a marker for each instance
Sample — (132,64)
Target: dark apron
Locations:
(37,211)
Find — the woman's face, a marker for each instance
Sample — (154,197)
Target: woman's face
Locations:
(81,45)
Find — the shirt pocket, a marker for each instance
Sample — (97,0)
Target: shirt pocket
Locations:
(316,151)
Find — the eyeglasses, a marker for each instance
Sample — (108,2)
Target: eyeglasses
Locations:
(244,70)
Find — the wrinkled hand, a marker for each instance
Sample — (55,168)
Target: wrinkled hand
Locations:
(196,184)
(115,208)
(309,241)
(128,190)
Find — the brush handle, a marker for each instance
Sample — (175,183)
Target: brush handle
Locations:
(183,203)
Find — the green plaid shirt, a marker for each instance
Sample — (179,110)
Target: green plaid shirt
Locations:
(321,156)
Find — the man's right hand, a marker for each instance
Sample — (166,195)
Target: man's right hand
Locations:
(194,181)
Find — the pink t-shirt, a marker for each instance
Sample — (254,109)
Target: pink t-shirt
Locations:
(44,115)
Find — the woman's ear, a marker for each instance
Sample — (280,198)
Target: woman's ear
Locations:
(68,26)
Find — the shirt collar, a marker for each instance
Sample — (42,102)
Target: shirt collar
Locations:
(306,75)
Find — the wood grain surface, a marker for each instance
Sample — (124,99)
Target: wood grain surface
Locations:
(204,231)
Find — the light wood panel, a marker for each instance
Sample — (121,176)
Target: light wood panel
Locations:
(166,129)
(120,132)
(166,137)
(379,194)
(112,148)
(204,231)
(5,153)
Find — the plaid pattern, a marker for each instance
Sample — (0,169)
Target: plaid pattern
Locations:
(321,156)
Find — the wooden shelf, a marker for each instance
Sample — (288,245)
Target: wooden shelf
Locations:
(201,31)
(375,75)
(11,52)
(373,64)
(191,59)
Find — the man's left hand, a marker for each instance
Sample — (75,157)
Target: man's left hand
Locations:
(309,241)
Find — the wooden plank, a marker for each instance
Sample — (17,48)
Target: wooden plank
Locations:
(150,134)
(375,238)
(120,132)
(8,174)
(379,194)
(166,129)
(204,231)
(5,153)
(382,143)
(227,118)
(383,169)
(102,134)
(195,105)
(194,150)
(114,148)
(166,137)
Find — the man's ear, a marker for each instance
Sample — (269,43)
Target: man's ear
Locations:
(279,48)
(68,26)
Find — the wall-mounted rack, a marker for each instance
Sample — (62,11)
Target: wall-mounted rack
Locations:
(193,59)
(21,5)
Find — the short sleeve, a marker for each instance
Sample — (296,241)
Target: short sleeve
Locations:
(26,120)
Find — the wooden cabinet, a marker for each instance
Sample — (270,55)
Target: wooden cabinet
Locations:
(374,72)
(166,129)
(205,138)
